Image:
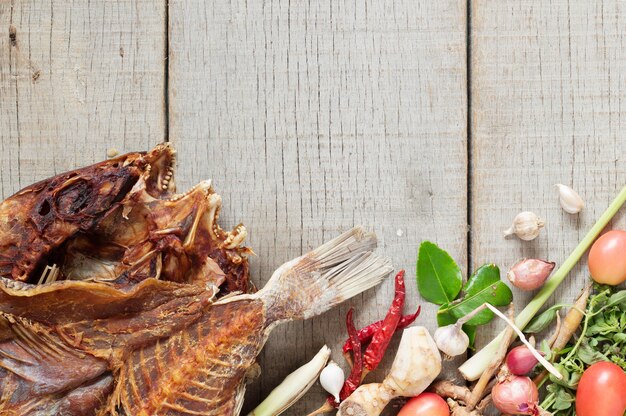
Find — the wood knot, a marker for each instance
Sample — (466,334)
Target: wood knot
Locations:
(13,35)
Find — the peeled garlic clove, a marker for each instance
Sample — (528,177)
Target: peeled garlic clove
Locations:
(451,340)
(571,202)
(526,226)
(530,274)
(331,379)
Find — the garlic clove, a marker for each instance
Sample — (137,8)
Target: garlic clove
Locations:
(451,340)
(571,202)
(526,226)
(332,378)
(530,274)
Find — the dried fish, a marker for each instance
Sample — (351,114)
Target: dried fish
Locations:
(124,298)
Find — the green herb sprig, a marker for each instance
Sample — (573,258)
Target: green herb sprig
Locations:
(602,338)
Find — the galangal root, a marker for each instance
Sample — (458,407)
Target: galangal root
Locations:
(417,364)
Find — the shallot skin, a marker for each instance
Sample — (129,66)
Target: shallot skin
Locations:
(516,395)
(530,274)
(520,361)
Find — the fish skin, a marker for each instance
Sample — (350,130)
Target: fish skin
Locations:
(80,401)
(38,368)
(56,365)
(197,371)
(69,301)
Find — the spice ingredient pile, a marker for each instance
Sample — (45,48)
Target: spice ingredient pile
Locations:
(564,359)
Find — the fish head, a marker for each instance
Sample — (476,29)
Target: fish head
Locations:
(176,239)
(42,216)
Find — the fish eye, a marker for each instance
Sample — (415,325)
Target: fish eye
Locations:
(74,197)
(44,208)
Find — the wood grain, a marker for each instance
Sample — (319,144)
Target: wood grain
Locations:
(547,99)
(77,78)
(314,116)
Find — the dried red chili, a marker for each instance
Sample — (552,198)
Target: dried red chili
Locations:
(366,334)
(353,381)
(379,333)
(375,351)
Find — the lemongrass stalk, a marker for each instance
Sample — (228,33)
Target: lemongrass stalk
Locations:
(474,367)
(293,386)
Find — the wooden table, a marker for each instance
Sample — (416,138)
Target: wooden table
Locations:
(433,120)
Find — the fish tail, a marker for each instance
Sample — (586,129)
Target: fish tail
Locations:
(317,281)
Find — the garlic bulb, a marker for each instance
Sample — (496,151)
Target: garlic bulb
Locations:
(571,202)
(332,378)
(451,340)
(526,226)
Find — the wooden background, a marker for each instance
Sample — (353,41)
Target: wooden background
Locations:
(421,120)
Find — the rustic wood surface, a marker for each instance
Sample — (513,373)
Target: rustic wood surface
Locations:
(547,83)
(314,116)
(77,78)
(306,117)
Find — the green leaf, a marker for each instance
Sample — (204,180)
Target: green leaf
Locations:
(438,276)
(618,298)
(543,320)
(444,318)
(482,277)
(471,334)
(619,338)
(588,355)
(563,400)
(484,286)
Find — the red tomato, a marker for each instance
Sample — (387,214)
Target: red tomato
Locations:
(426,404)
(601,391)
(607,261)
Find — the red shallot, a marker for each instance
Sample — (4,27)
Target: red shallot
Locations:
(516,395)
(530,274)
(520,360)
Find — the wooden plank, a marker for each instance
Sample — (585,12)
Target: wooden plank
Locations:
(314,116)
(547,97)
(77,78)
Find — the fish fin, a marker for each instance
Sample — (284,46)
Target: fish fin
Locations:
(35,340)
(41,364)
(241,392)
(315,282)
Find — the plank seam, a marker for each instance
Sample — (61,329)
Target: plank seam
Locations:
(468,76)
(166,75)
(469,170)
